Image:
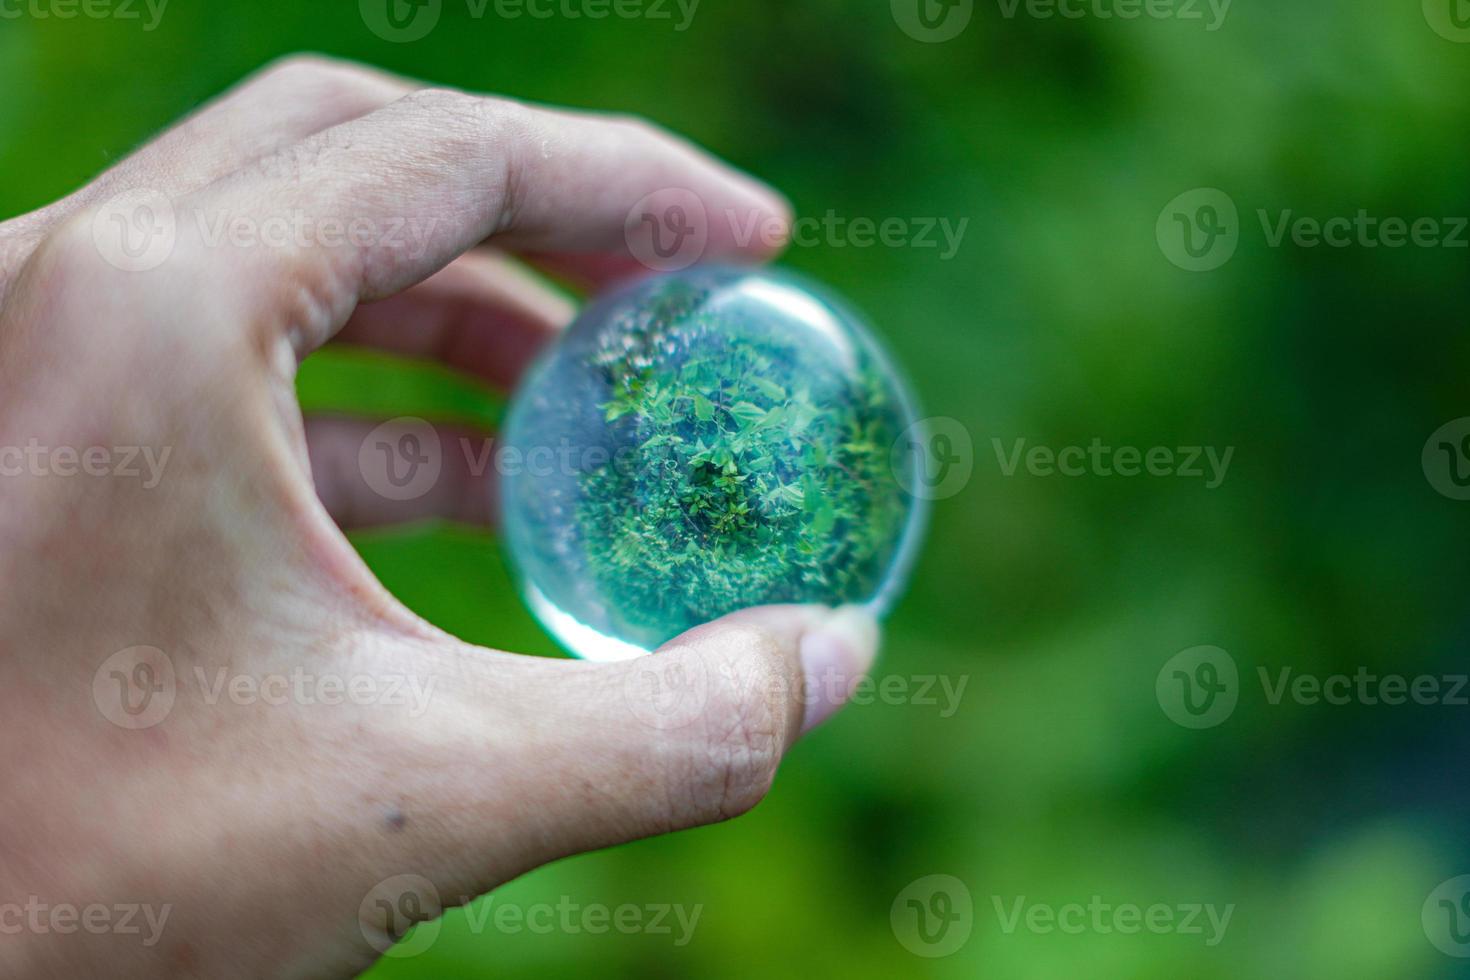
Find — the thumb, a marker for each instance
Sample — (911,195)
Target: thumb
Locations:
(785,669)
(691,734)
(706,718)
(538,759)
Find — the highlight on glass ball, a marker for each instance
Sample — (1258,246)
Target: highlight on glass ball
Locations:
(704,441)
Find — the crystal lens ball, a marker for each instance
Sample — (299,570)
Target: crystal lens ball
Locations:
(704,441)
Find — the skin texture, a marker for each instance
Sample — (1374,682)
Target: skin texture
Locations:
(264,827)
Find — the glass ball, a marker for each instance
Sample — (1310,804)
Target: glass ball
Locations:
(704,441)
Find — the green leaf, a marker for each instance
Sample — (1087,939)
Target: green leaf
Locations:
(825,519)
(769,388)
(747,413)
(704,409)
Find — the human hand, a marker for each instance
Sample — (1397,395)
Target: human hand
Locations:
(272,832)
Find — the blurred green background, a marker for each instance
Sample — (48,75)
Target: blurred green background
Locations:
(1061,318)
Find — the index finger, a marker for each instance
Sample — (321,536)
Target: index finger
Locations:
(455,170)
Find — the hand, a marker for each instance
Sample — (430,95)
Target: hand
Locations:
(267,828)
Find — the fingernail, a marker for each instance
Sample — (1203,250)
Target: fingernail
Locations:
(835,655)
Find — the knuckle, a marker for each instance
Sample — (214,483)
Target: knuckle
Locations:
(479,118)
(638,126)
(734,754)
(86,297)
(647,137)
(322,81)
(456,124)
(301,66)
(69,245)
(457,105)
(490,135)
